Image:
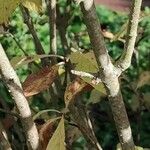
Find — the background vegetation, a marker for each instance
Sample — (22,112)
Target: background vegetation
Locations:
(135,82)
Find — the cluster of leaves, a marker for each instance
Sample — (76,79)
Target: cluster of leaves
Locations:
(135,82)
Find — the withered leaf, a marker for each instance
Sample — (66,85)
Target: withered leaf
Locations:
(37,82)
(57,142)
(46,131)
(75,88)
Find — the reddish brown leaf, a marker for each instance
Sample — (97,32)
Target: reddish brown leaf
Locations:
(46,133)
(75,88)
(37,82)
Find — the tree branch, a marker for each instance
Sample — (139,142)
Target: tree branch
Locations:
(108,73)
(28,21)
(12,81)
(51,7)
(125,60)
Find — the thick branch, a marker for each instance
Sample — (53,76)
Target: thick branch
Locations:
(12,81)
(125,60)
(108,75)
(96,36)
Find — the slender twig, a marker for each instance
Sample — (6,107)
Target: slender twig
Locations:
(28,21)
(51,7)
(125,60)
(81,118)
(13,83)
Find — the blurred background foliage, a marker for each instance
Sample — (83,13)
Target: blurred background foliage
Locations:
(137,100)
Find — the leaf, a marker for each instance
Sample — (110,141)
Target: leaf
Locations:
(144,79)
(46,131)
(18,61)
(84,62)
(95,96)
(37,82)
(73,89)
(107,34)
(34,5)
(99,87)
(57,142)
(6,9)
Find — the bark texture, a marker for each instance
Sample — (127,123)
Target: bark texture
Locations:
(108,72)
(12,81)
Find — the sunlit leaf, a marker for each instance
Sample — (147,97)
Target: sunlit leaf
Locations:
(84,62)
(144,79)
(73,89)
(57,142)
(99,87)
(35,5)
(6,9)
(18,61)
(37,82)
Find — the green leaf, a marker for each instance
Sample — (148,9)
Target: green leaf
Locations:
(99,87)
(18,61)
(57,142)
(84,62)
(95,96)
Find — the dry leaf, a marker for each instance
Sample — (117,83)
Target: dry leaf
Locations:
(73,89)
(46,132)
(144,79)
(57,142)
(37,82)
(107,34)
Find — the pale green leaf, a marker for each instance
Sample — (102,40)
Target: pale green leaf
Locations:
(99,87)
(18,61)
(84,62)
(34,5)
(95,96)
(57,142)
(7,7)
